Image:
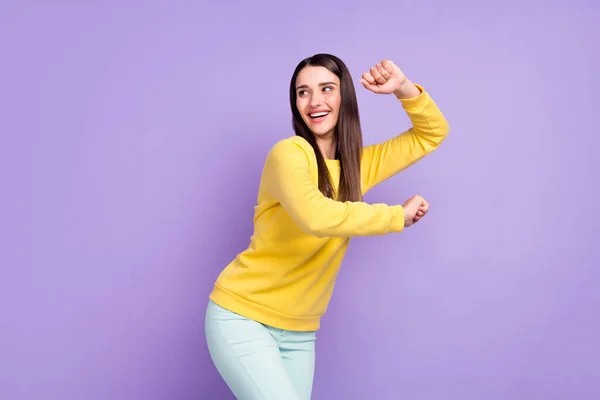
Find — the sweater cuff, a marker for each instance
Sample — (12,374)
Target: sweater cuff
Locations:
(397,222)
(417,103)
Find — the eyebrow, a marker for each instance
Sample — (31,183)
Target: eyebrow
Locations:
(320,84)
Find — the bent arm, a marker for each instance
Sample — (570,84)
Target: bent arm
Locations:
(288,179)
(430,128)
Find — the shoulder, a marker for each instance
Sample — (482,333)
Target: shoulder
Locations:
(293,149)
(291,143)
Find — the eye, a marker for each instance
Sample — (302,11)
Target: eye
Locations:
(301,92)
(327,89)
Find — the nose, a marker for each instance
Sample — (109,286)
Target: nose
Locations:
(316,100)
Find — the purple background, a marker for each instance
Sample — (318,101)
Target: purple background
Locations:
(133,136)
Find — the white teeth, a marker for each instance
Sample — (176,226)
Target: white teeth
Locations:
(317,115)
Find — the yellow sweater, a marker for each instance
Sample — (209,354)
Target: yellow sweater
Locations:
(286,276)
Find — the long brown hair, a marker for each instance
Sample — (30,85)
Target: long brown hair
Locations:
(348,131)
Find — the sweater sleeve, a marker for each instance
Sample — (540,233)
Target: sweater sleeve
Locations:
(430,128)
(287,177)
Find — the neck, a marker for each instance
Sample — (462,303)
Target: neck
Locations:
(328,147)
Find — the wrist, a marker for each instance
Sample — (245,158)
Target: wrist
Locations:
(398,220)
(407,90)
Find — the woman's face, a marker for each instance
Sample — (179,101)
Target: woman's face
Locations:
(318,100)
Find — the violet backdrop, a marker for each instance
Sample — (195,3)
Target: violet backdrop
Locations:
(133,136)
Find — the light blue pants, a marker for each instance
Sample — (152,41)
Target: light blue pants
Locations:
(259,362)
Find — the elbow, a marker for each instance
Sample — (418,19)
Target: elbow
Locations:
(311,220)
(441,133)
(433,135)
(444,128)
(313,227)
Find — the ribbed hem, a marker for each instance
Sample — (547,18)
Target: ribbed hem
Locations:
(397,222)
(416,104)
(262,314)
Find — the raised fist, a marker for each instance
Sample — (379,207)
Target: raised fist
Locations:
(383,78)
(415,208)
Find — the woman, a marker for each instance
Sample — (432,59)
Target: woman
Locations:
(267,303)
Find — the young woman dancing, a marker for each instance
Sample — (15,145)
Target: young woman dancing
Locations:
(266,305)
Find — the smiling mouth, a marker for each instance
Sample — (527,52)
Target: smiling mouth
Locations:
(318,116)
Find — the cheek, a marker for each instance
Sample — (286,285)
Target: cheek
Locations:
(335,101)
(301,108)
(301,105)
(336,106)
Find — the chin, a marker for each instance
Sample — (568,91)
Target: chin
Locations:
(322,132)
(319,133)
